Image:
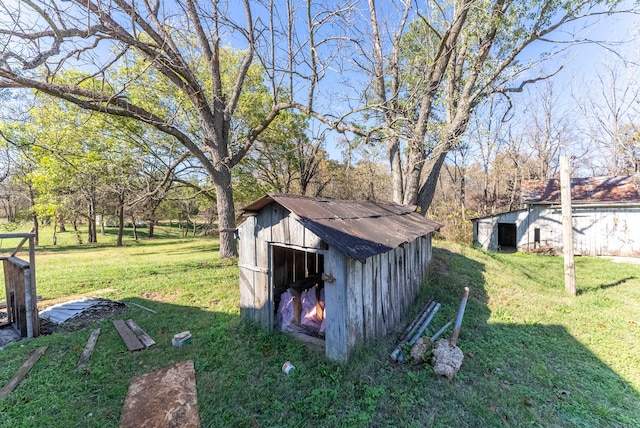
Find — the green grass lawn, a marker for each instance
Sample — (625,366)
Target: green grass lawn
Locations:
(534,356)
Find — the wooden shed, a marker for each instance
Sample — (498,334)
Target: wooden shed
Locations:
(373,258)
(605,217)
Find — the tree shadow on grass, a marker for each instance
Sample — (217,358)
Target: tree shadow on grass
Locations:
(518,374)
(605,286)
(513,374)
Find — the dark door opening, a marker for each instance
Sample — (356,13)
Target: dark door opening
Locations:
(507,237)
(296,276)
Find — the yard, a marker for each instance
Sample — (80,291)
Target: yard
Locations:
(534,356)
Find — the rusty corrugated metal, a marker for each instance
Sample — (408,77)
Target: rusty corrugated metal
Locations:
(591,190)
(358,229)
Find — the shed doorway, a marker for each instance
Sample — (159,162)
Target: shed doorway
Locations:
(507,237)
(298,290)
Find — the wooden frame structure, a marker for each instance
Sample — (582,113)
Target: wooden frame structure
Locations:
(20,287)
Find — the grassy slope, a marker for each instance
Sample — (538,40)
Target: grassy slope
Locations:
(535,356)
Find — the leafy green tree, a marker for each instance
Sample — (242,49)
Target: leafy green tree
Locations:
(220,99)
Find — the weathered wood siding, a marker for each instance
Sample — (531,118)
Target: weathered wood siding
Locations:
(368,299)
(365,301)
(273,224)
(21,297)
(598,230)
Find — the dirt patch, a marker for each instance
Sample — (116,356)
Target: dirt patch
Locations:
(105,309)
(156,296)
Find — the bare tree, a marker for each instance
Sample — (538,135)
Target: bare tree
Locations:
(184,43)
(613,118)
(434,64)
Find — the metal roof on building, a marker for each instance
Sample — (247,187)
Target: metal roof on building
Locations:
(358,229)
(593,190)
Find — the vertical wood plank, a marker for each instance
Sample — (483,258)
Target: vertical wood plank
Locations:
(368,302)
(379,313)
(385,286)
(261,303)
(246,293)
(297,232)
(277,216)
(311,240)
(335,294)
(354,302)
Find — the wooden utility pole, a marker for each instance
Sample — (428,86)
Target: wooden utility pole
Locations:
(567,226)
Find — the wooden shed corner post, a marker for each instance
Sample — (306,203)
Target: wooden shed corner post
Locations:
(567,226)
(335,295)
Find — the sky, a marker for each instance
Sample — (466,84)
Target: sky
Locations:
(578,75)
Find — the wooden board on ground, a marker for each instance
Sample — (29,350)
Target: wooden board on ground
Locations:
(21,373)
(88,349)
(140,333)
(164,398)
(128,337)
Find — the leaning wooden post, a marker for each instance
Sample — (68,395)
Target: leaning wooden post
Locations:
(567,226)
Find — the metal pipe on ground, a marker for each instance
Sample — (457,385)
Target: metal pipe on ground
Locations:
(425,324)
(458,324)
(442,330)
(410,329)
(396,355)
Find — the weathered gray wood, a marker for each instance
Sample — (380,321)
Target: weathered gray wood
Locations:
(142,335)
(297,232)
(247,248)
(380,314)
(88,349)
(261,299)
(311,342)
(246,280)
(129,339)
(567,226)
(385,294)
(22,372)
(354,300)
(22,309)
(278,213)
(368,302)
(335,295)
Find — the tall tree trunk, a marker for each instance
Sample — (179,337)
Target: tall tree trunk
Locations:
(120,221)
(397,181)
(135,228)
(428,189)
(75,229)
(226,214)
(93,236)
(415,165)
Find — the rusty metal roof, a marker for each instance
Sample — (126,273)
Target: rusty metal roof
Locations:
(593,190)
(358,229)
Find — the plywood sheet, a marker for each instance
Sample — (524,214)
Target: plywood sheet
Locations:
(165,398)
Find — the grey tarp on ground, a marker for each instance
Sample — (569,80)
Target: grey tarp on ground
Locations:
(64,311)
